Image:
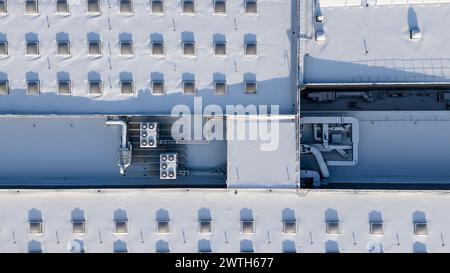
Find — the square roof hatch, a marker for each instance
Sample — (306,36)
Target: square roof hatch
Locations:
(157,6)
(158,48)
(250,48)
(333,227)
(93,6)
(4,87)
(31,7)
(248,227)
(32,48)
(220,7)
(420,228)
(33,87)
(95,87)
(121,227)
(95,47)
(376,228)
(188,6)
(35,227)
(189,48)
(158,87)
(220,48)
(251,7)
(250,87)
(205,226)
(188,87)
(127,87)
(62,6)
(78,227)
(163,227)
(290,226)
(126,6)
(3,48)
(220,88)
(64,87)
(63,48)
(3,7)
(126,48)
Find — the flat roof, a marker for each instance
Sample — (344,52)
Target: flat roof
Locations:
(354,211)
(255,163)
(271,27)
(371,44)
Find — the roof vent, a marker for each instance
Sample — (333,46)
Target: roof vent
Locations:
(320,37)
(290,226)
(333,228)
(248,226)
(3,7)
(62,6)
(31,7)
(163,227)
(35,227)
(420,228)
(376,228)
(415,34)
(78,227)
(121,227)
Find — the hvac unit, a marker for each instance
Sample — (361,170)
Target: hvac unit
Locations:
(149,135)
(168,166)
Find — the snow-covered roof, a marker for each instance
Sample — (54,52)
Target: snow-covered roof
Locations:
(395,147)
(372,43)
(141,209)
(259,162)
(270,27)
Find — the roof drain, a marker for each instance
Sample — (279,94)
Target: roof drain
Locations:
(124,153)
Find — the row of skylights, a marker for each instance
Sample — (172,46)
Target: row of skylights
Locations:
(127,6)
(127,48)
(206,227)
(95,87)
(162,227)
(376,228)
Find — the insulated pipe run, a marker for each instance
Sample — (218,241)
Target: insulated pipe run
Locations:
(124,130)
(319,158)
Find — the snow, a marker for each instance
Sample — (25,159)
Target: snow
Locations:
(397,147)
(391,56)
(354,209)
(272,66)
(263,163)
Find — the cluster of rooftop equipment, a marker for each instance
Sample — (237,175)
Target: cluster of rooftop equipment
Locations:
(148,139)
(332,141)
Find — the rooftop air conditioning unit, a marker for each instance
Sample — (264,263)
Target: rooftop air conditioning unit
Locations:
(168,166)
(148,135)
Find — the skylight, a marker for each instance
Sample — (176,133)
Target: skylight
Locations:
(333,227)
(163,227)
(62,6)
(31,7)
(35,227)
(121,227)
(248,227)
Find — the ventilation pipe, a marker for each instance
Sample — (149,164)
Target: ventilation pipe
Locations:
(319,158)
(124,130)
(124,154)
